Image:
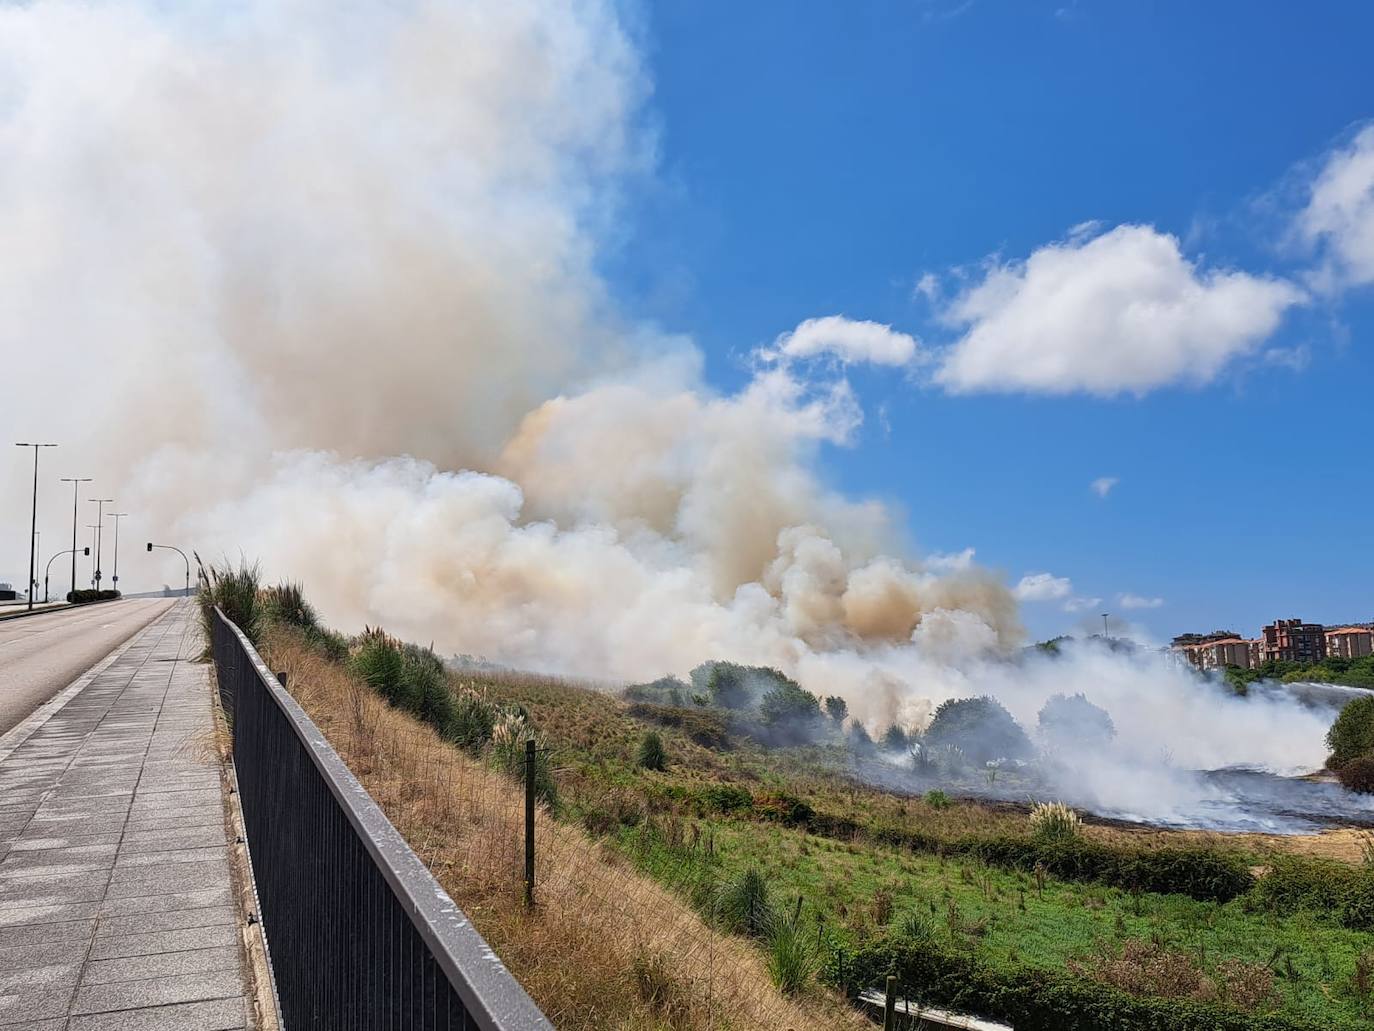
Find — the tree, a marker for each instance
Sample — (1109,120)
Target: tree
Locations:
(895,739)
(980,728)
(836,708)
(1072,720)
(790,713)
(725,683)
(652,755)
(1352,734)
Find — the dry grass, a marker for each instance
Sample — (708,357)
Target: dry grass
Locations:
(604,948)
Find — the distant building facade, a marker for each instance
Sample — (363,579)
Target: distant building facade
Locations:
(1292,640)
(1221,652)
(1350,642)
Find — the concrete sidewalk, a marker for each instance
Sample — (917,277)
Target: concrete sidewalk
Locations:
(116,895)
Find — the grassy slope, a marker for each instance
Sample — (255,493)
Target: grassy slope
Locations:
(1002,912)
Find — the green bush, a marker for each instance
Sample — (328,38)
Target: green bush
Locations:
(1352,734)
(725,798)
(789,713)
(1053,821)
(1324,885)
(284,604)
(234,591)
(792,957)
(744,904)
(84,597)
(473,720)
(1358,774)
(1032,998)
(427,691)
(706,727)
(837,709)
(508,739)
(663,691)
(1071,721)
(378,661)
(651,753)
(937,799)
(980,728)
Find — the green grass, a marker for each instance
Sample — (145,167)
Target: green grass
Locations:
(1005,916)
(853,890)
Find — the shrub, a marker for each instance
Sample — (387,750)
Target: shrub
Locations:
(724,683)
(979,727)
(285,605)
(473,720)
(508,739)
(667,690)
(1352,734)
(1358,774)
(792,956)
(790,714)
(725,798)
(1308,882)
(915,926)
(1035,999)
(895,738)
(651,753)
(426,687)
(85,597)
(856,736)
(1073,721)
(708,729)
(836,708)
(235,592)
(378,661)
(937,799)
(744,904)
(1053,821)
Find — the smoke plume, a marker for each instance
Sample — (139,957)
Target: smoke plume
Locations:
(318,284)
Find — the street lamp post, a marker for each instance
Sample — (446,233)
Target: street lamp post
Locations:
(114,580)
(38,549)
(76,482)
(172,547)
(100,504)
(33,527)
(49,570)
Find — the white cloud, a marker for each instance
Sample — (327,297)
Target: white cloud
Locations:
(1102,486)
(1042,587)
(1081,604)
(952,562)
(849,340)
(1339,215)
(1135,601)
(1121,312)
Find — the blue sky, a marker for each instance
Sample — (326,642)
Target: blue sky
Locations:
(819,160)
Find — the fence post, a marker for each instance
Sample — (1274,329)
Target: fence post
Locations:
(281,677)
(529,822)
(890,1005)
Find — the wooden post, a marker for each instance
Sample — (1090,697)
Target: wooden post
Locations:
(890,1005)
(529,822)
(281,677)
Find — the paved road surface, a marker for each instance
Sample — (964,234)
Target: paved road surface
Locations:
(40,655)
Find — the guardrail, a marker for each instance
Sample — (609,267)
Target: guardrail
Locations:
(359,934)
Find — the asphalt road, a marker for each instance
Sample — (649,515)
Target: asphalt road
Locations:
(41,654)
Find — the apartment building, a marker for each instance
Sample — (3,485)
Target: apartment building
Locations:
(1350,642)
(1292,640)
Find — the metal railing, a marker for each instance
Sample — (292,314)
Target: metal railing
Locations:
(359,934)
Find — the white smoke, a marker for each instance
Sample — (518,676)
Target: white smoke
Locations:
(317,284)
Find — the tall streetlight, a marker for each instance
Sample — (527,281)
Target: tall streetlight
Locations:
(116,516)
(172,547)
(38,548)
(76,482)
(48,570)
(33,528)
(100,504)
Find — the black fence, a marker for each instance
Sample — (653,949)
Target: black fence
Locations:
(359,935)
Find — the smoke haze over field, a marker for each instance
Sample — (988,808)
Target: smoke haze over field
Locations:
(320,285)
